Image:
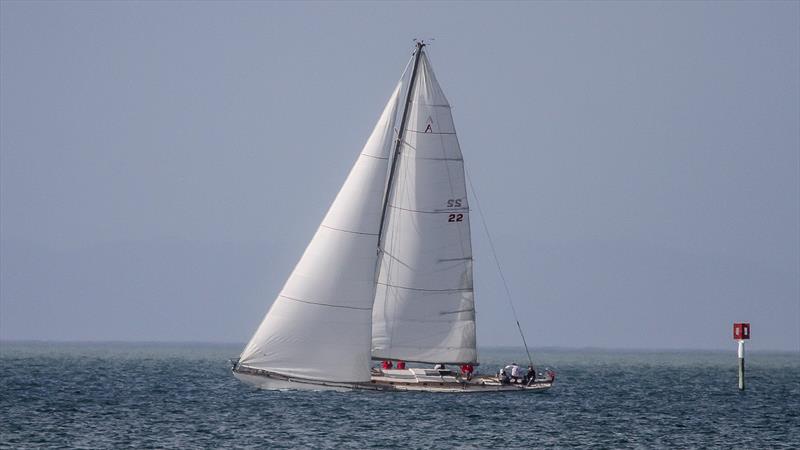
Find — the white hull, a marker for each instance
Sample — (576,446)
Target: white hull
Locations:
(263,379)
(273,384)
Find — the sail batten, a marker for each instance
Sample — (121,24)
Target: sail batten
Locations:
(349,231)
(311,302)
(435,211)
(397,286)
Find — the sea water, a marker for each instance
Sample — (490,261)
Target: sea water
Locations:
(184,396)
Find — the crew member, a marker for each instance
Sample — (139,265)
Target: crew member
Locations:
(466,371)
(516,374)
(531,375)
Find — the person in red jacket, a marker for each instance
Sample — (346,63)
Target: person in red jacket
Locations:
(386,365)
(401,365)
(466,371)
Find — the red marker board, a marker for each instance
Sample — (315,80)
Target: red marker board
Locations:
(741,331)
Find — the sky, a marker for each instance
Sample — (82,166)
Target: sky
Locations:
(164,164)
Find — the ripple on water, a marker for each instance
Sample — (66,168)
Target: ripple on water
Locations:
(125,395)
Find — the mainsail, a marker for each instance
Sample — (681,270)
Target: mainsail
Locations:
(319,326)
(424,307)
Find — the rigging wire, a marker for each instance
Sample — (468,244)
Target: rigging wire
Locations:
(497,263)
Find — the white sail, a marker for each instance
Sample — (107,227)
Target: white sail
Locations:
(319,327)
(424,305)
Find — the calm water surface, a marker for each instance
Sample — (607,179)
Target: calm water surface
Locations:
(159,395)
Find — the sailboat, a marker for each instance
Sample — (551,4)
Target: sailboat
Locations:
(388,273)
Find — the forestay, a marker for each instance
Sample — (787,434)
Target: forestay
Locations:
(424,304)
(319,326)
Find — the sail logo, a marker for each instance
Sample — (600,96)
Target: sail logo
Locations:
(428,129)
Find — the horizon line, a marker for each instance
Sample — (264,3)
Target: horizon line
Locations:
(506,346)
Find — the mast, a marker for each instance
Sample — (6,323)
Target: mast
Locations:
(400,136)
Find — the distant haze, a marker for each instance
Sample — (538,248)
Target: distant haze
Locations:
(164,164)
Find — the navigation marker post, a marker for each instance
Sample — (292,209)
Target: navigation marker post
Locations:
(741,332)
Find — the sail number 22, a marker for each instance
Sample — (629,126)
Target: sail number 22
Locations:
(454,203)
